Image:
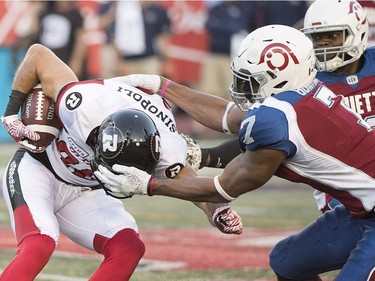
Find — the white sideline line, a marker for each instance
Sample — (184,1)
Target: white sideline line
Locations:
(143,266)
(54,277)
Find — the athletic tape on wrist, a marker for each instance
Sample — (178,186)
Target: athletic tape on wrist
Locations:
(224,122)
(165,86)
(221,190)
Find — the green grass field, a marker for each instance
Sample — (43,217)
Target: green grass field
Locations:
(278,205)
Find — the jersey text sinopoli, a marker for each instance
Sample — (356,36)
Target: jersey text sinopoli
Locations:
(149,107)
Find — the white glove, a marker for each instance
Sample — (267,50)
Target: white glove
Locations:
(145,81)
(20,133)
(227,220)
(129,180)
(194,153)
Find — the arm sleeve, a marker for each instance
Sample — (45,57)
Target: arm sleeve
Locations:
(219,156)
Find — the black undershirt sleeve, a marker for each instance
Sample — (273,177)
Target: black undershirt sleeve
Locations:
(219,156)
(16,100)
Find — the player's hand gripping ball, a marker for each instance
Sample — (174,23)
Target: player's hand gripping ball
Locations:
(38,114)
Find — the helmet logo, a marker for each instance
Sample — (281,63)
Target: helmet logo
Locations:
(355,8)
(277,56)
(110,142)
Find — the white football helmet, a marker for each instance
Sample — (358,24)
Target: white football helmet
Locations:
(270,60)
(345,16)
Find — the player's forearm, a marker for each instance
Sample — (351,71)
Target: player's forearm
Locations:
(204,108)
(193,189)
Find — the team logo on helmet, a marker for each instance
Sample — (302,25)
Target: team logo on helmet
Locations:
(112,142)
(277,56)
(355,8)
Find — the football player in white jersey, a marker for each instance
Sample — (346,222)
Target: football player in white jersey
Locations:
(295,128)
(52,189)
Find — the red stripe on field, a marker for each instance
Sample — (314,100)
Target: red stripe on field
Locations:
(208,248)
(198,249)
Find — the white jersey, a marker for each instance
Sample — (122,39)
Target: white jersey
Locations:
(82,106)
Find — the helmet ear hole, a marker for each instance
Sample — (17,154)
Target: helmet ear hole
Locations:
(280,85)
(92,138)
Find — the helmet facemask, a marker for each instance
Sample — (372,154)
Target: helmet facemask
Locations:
(345,16)
(247,88)
(331,58)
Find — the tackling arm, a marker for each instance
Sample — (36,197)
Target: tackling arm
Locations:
(219,215)
(220,155)
(209,110)
(204,108)
(215,157)
(126,182)
(245,173)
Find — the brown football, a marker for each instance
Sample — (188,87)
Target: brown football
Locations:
(38,114)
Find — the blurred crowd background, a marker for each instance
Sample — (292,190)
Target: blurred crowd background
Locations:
(190,42)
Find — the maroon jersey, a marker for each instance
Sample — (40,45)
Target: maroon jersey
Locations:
(358,89)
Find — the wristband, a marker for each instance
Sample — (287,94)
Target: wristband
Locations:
(165,86)
(150,186)
(16,100)
(224,120)
(221,190)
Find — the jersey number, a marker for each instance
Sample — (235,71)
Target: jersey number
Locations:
(328,99)
(70,161)
(249,123)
